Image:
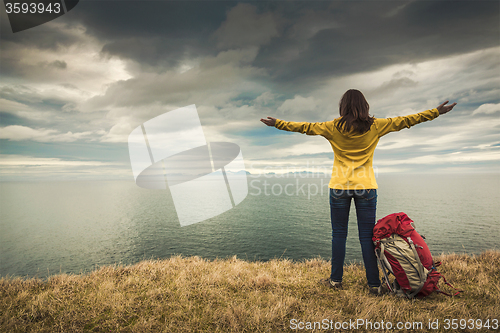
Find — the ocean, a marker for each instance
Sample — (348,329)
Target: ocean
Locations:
(74,227)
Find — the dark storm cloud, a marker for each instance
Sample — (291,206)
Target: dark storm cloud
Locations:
(112,20)
(371,35)
(311,41)
(154,33)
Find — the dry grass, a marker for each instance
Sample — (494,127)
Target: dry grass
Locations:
(232,295)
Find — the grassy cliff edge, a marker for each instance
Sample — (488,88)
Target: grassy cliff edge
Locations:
(232,295)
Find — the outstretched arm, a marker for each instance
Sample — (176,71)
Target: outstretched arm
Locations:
(388,125)
(301,127)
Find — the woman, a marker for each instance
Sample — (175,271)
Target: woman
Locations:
(353,137)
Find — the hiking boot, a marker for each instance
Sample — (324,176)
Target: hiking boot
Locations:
(379,291)
(331,284)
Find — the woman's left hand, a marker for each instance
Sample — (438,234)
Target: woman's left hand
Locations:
(443,108)
(270,121)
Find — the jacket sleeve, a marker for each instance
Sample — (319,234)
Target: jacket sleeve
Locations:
(303,127)
(388,125)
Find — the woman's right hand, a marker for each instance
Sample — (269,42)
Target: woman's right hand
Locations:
(445,108)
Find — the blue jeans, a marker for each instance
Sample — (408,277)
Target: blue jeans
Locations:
(366,205)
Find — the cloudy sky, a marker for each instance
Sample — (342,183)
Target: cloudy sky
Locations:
(73,89)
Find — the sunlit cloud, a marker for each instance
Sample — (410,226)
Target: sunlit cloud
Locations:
(457,157)
(488,108)
(20,160)
(22,133)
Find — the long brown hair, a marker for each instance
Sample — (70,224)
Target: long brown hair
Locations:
(353,109)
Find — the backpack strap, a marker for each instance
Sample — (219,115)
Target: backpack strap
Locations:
(379,253)
(446,282)
(421,272)
(420,266)
(387,240)
(384,259)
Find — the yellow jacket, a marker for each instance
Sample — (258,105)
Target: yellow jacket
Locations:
(352,167)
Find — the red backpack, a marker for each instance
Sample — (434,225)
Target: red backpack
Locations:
(402,252)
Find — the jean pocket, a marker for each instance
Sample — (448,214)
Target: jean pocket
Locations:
(336,194)
(369,194)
